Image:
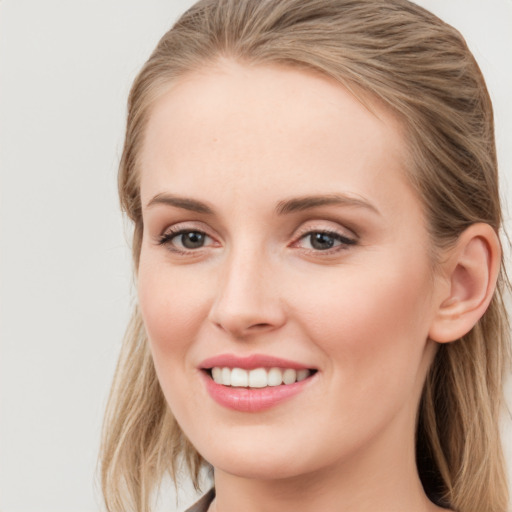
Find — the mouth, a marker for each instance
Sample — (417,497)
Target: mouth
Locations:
(257,378)
(254,383)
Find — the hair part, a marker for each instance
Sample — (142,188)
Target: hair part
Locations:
(420,67)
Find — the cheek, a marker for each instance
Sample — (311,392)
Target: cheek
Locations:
(171,306)
(372,323)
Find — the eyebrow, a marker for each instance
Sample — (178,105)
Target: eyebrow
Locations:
(308,202)
(180,202)
(283,207)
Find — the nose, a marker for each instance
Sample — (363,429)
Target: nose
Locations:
(248,298)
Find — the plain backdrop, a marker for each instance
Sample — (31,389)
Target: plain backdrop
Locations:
(65,283)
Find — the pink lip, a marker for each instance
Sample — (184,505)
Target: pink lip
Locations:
(255,399)
(251,400)
(250,362)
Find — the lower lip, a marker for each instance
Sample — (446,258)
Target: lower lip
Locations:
(252,399)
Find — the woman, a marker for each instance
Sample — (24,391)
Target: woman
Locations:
(314,192)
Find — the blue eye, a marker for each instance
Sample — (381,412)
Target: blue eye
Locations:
(325,240)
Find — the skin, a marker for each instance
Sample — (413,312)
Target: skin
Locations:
(242,140)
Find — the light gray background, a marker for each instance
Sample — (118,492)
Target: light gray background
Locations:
(65,71)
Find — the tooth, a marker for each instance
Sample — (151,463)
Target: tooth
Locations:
(302,374)
(217,375)
(226,376)
(258,378)
(289,376)
(274,377)
(239,378)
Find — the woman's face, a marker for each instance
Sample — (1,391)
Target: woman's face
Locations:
(280,232)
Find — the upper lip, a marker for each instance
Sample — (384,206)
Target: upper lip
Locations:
(250,362)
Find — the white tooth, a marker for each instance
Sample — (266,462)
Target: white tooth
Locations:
(217,374)
(302,374)
(258,378)
(289,376)
(239,378)
(226,376)
(275,377)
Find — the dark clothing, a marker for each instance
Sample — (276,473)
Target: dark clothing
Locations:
(203,504)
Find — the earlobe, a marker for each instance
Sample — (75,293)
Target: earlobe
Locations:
(472,268)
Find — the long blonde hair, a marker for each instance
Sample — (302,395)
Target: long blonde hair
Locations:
(422,69)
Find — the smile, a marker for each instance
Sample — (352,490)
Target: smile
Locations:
(259,377)
(254,383)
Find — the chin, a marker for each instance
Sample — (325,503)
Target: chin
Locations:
(260,467)
(265,457)
(249,451)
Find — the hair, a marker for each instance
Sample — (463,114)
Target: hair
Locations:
(421,68)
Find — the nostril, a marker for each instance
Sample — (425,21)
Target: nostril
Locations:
(241,330)
(260,326)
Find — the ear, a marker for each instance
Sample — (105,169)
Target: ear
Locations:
(471,268)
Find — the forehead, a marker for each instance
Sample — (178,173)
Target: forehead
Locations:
(267,127)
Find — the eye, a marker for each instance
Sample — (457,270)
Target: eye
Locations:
(324,241)
(185,240)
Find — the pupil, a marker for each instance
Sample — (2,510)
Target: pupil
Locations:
(321,241)
(192,240)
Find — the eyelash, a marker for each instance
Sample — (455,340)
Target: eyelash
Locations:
(166,239)
(344,242)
